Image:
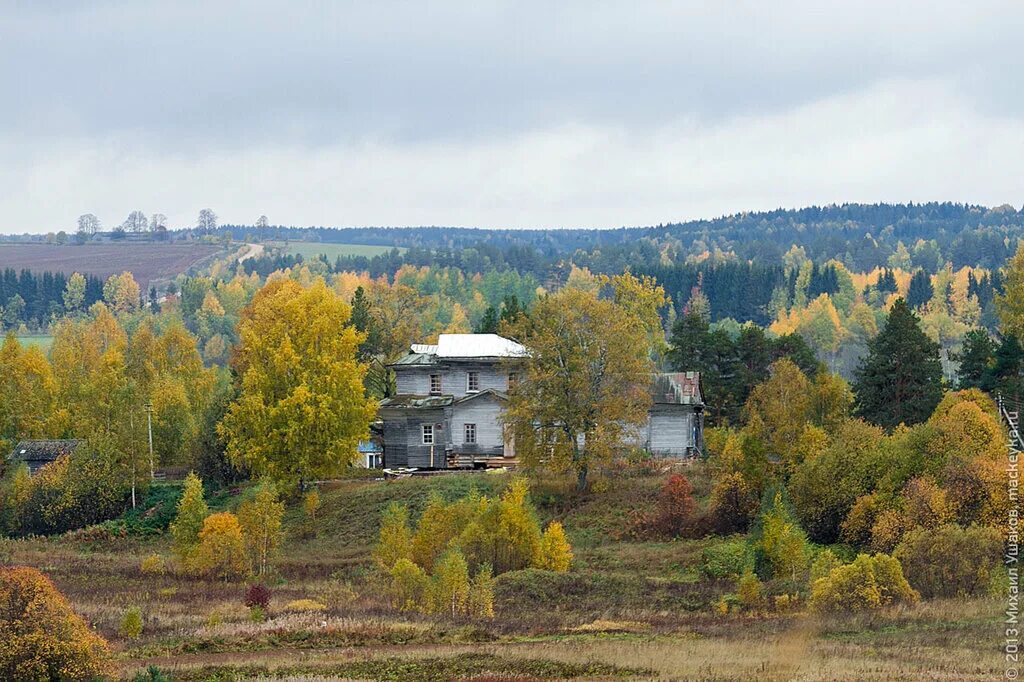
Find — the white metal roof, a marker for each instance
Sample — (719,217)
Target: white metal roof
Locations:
(475,346)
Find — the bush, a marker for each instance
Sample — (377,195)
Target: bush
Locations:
(152,674)
(257,596)
(555,551)
(824,564)
(131,623)
(674,511)
(43,639)
(152,565)
(408,585)
(750,591)
(733,504)
(729,559)
(950,561)
(869,583)
(221,551)
(304,606)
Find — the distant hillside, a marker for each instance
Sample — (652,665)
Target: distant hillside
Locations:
(862,235)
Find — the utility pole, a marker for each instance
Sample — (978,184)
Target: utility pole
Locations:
(131,425)
(149,421)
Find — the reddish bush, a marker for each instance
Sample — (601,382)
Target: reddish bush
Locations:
(674,512)
(257,595)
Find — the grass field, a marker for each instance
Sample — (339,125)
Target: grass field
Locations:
(332,251)
(146,261)
(43,341)
(628,610)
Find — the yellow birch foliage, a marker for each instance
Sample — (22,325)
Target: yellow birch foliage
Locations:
(261,519)
(221,550)
(555,551)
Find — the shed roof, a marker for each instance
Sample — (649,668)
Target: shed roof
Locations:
(43,450)
(677,388)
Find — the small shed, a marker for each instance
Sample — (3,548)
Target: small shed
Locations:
(38,453)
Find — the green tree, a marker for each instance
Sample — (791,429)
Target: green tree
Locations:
(192,511)
(900,380)
(74,293)
(302,409)
(261,518)
(586,383)
(976,358)
(1010,303)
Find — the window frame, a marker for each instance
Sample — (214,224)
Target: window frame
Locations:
(468,429)
(472,377)
(430,385)
(513,380)
(427,430)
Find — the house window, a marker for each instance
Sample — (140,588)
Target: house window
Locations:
(435,384)
(470,434)
(428,434)
(472,382)
(513,379)
(374,461)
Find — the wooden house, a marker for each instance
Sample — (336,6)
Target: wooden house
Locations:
(450,396)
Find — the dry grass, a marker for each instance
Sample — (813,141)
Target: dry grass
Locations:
(630,606)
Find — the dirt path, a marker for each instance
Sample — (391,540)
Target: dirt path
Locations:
(255,251)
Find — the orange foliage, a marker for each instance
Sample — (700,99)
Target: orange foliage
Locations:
(42,637)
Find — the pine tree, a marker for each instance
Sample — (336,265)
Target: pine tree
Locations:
(900,379)
(1006,375)
(488,324)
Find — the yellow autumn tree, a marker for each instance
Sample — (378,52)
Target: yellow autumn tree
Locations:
(1010,303)
(221,550)
(187,524)
(395,537)
(302,408)
(585,388)
(555,552)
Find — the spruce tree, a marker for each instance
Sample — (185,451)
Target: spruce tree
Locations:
(921,290)
(976,358)
(900,379)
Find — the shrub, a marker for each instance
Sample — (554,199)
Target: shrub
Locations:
(408,585)
(869,583)
(925,503)
(310,507)
(781,547)
(555,551)
(152,565)
(732,505)
(674,511)
(221,551)
(42,637)
(888,530)
(395,537)
(824,564)
(131,623)
(152,674)
(481,593)
(304,606)
(192,512)
(750,591)
(449,589)
(950,561)
(729,559)
(856,527)
(257,596)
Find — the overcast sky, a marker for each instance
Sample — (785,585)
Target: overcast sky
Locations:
(493,114)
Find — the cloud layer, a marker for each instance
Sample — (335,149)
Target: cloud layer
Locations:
(501,114)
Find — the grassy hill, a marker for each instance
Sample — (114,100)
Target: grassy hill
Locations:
(628,610)
(313,249)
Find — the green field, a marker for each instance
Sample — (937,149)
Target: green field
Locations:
(43,341)
(332,251)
